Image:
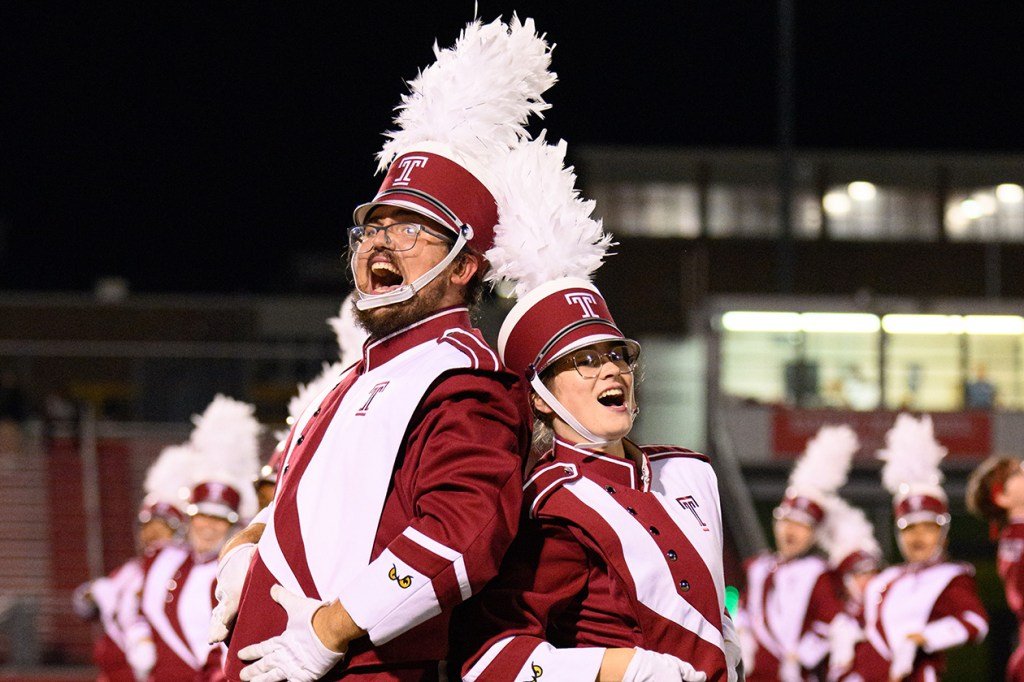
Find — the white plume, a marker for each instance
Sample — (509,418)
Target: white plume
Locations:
(477,97)
(545,230)
(825,464)
(846,530)
(912,455)
(169,476)
(225,443)
(329,377)
(349,332)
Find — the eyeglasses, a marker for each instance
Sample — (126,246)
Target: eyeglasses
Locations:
(588,362)
(397,236)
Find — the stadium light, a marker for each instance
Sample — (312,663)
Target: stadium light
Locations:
(861,190)
(1010,193)
(971,209)
(836,203)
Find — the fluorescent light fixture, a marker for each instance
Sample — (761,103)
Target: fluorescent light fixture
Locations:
(1010,193)
(861,190)
(840,323)
(994,324)
(820,323)
(923,324)
(836,203)
(759,321)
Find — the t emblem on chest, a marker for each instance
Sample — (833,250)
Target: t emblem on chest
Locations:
(369,399)
(691,504)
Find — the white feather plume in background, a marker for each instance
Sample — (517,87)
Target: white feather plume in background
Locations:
(349,332)
(477,97)
(225,447)
(545,230)
(846,530)
(912,456)
(169,478)
(825,464)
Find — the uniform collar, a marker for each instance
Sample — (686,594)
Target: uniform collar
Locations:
(377,352)
(633,472)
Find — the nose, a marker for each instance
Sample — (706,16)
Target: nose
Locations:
(609,368)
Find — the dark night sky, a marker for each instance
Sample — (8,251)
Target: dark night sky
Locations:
(196,146)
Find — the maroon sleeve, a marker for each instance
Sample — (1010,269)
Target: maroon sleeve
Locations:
(958,616)
(825,604)
(544,571)
(462,478)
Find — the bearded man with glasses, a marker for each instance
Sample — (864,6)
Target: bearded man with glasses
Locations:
(401,485)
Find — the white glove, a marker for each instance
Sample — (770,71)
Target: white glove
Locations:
(790,671)
(140,650)
(843,635)
(231,571)
(297,654)
(903,655)
(733,660)
(748,646)
(650,666)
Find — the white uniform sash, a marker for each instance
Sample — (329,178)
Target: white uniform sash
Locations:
(342,491)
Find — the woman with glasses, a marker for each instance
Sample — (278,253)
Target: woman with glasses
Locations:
(617,571)
(995,493)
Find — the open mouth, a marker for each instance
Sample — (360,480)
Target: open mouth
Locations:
(612,397)
(384,276)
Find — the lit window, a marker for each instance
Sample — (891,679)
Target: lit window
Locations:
(864,210)
(753,211)
(987,214)
(649,209)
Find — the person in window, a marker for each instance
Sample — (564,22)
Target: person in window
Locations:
(980,392)
(914,612)
(617,571)
(995,493)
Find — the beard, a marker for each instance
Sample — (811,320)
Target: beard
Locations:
(381,322)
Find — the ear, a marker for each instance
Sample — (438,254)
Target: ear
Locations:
(1001,499)
(468,264)
(539,405)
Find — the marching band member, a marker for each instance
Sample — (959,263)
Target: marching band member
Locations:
(177,590)
(617,571)
(401,486)
(114,599)
(854,557)
(917,610)
(995,493)
(791,597)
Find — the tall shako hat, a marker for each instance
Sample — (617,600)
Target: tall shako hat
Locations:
(911,472)
(225,446)
(819,473)
(166,487)
(548,244)
(849,538)
(351,338)
(462,115)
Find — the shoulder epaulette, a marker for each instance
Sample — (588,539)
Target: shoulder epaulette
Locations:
(545,479)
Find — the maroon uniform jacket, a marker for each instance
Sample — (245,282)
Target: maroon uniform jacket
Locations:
(937,600)
(117,598)
(616,553)
(436,522)
(788,608)
(1010,559)
(177,602)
